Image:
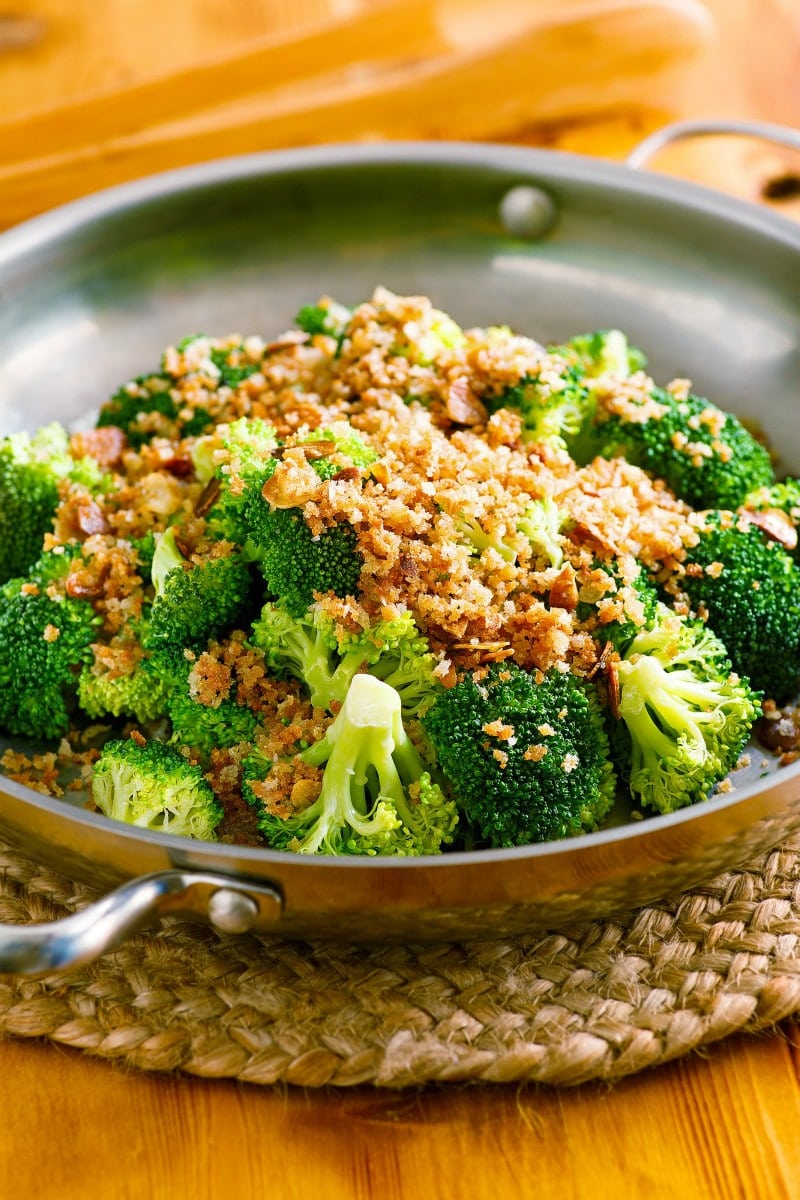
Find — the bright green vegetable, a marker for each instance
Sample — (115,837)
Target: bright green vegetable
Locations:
(528,761)
(376,797)
(153,786)
(685,715)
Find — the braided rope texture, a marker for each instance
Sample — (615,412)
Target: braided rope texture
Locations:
(599,1002)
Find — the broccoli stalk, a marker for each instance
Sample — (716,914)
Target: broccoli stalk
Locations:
(153,786)
(326,659)
(686,715)
(376,796)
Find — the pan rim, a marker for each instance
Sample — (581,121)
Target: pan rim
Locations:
(533,166)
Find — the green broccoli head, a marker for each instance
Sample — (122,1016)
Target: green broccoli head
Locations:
(194,600)
(602,352)
(749,588)
(785,498)
(554,403)
(543,523)
(31,470)
(153,786)
(205,726)
(686,717)
(137,692)
(326,658)
(296,562)
(45,638)
(234,463)
(629,603)
(327,317)
(706,456)
(142,408)
(529,761)
(376,795)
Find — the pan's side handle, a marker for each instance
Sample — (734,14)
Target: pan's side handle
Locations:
(103,925)
(781,135)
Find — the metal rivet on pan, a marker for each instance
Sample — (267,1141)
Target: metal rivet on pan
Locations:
(527,212)
(232,912)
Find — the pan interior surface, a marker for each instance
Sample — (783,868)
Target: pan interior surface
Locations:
(709,289)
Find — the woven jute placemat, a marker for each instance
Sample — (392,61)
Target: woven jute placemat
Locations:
(599,1002)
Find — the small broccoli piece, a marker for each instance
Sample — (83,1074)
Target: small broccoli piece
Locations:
(542,524)
(137,692)
(749,589)
(45,638)
(239,459)
(376,795)
(437,334)
(141,409)
(31,470)
(194,600)
(686,716)
(325,658)
(602,352)
(554,409)
(529,762)
(785,497)
(479,540)
(204,727)
(153,786)
(706,456)
(327,317)
(628,604)
(296,562)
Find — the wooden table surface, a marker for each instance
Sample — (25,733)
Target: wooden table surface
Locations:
(723,1125)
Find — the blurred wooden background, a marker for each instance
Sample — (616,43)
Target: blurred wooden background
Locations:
(592,76)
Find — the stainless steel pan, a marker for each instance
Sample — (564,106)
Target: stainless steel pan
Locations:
(549,243)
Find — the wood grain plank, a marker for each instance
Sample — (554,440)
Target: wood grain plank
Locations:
(714,1127)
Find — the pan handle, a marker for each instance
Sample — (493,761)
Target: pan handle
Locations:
(781,135)
(84,936)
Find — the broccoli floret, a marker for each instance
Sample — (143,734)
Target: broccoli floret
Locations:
(785,497)
(194,600)
(238,458)
(554,409)
(205,727)
(138,692)
(31,470)
(45,638)
(141,409)
(686,716)
(628,604)
(376,796)
(327,317)
(542,524)
(325,658)
(749,589)
(153,786)
(295,561)
(706,456)
(529,761)
(602,352)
